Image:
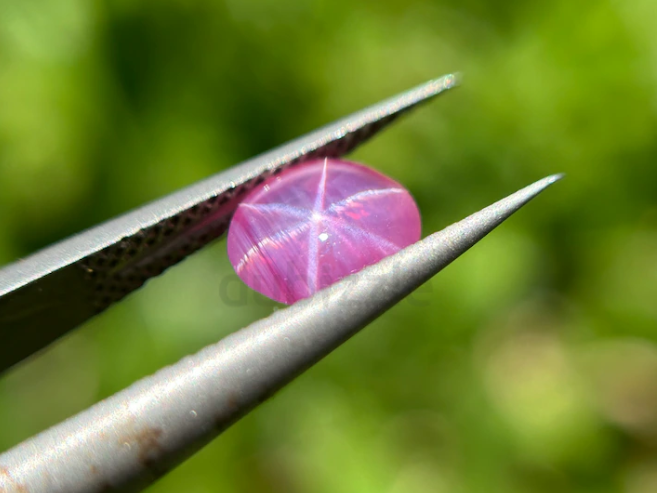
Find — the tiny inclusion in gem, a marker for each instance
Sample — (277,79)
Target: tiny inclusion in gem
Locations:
(311,225)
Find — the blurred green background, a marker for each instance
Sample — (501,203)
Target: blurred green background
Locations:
(530,365)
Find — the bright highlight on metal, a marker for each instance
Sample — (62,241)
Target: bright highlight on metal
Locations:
(127,441)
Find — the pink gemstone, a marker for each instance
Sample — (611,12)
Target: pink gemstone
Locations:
(316,223)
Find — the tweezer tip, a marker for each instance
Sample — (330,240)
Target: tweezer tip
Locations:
(443,83)
(450,80)
(516,200)
(556,177)
(537,187)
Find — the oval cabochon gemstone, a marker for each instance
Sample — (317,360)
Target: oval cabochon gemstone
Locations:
(315,223)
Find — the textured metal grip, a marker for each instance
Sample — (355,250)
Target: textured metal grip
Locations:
(119,269)
(45,295)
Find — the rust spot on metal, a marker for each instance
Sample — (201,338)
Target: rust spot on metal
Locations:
(106,488)
(231,411)
(233,401)
(148,444)
(12,486)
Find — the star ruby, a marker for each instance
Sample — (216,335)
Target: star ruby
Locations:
(316,223)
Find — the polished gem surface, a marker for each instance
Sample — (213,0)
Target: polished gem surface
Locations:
(316,223)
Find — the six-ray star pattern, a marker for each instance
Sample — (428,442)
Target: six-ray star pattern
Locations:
(316,223)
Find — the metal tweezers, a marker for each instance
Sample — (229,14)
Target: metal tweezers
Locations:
(127,441)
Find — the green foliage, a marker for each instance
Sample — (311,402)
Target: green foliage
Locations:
(528,366)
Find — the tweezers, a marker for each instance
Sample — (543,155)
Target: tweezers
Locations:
(127,441)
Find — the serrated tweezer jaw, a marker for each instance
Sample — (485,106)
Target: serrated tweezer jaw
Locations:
(47,294)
